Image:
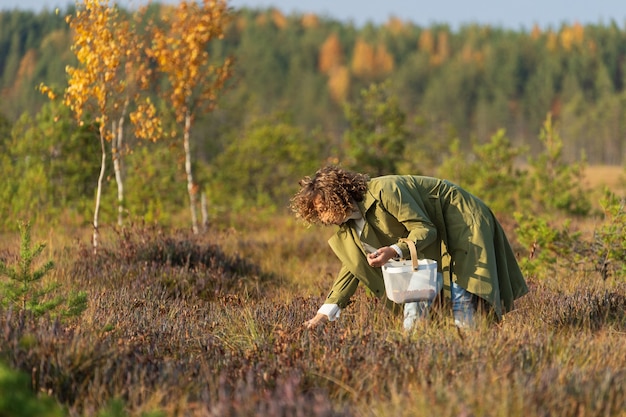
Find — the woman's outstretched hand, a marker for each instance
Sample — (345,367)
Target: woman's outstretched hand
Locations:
(315,321)
(381,256)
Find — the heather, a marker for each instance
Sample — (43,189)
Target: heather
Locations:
(179,324)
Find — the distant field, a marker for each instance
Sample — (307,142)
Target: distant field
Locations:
(613,177)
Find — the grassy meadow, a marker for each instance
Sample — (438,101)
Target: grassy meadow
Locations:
(212,325)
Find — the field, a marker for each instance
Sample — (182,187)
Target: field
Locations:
(211,325)
(605,176)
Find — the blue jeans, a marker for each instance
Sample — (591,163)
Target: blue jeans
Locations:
(463,309)
(463,306)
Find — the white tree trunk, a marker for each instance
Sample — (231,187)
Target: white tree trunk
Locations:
(96,212)
(205,212)
(191,187)
(118,163)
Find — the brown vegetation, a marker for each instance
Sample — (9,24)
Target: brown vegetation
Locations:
(211,325)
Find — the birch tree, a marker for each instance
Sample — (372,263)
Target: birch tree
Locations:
(180,48)
(103,85)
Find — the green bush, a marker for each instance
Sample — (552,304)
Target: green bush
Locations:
(262,166)
(18,400)
(553,184)
(548,245)
(377,136)
(24,289)
(551,245)
(489,172)
(610,237)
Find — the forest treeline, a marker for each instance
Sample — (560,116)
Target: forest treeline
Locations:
(466,83)
(306,90)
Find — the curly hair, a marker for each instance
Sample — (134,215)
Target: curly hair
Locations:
(334,189)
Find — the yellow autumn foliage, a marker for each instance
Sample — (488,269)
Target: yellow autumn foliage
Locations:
(442,50)
(279,19)
(339,83)
(331,54)
(180,49)
(572,36)
(371,62)
(310,21)
(426,42)
(383,61)
(363,59)
(536,32)
(395,25)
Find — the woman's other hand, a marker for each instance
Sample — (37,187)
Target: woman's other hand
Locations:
(315,321)
(381,256)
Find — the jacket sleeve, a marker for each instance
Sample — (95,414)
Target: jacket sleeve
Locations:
(343,288)
(408,208)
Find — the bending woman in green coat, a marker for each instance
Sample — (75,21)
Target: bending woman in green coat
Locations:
(447,224)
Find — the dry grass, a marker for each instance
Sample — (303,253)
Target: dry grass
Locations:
(600,176)
(212,326)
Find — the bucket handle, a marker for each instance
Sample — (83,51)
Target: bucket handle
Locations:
(413,251)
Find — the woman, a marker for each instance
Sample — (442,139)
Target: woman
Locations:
(447,224)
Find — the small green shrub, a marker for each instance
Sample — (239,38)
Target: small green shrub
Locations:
(241,176)
(553,184)
(551,246)
(491,173)
(377,136)
(24,289)
(18,400)
(610,237)
(548,245)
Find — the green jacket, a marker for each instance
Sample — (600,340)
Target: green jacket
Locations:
(447,224)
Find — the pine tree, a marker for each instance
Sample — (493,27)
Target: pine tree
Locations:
(24,289)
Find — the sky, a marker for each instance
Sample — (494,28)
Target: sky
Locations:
(512,14)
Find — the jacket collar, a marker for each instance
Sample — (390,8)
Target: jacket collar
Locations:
(368,234)
(367,203)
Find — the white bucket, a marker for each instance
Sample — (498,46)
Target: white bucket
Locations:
(404,284)
(412,280)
